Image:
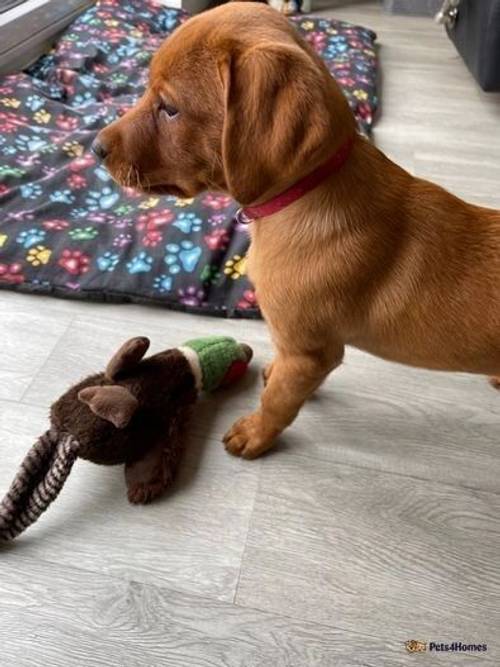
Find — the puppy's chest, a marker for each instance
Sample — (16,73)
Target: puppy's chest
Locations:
(271,264)
(277,258)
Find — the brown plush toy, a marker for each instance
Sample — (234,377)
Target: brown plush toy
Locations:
(134,413)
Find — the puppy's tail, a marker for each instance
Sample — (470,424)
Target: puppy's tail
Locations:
(38,482)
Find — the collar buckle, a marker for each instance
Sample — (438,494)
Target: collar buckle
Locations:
(242,218)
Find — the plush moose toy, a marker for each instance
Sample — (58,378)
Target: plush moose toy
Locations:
(134,413)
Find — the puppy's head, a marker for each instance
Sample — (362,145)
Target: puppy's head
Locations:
(236,102)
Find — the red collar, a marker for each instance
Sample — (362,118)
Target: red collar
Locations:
(248,214)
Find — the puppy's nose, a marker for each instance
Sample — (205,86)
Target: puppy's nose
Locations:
(99,148)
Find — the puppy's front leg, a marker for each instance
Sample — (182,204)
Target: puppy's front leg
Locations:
(294,377)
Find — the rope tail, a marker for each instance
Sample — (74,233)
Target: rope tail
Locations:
(38,482)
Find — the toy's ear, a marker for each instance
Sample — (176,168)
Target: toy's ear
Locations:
(127,357)
(113,403)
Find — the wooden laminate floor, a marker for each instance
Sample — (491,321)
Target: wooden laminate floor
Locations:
(376,519)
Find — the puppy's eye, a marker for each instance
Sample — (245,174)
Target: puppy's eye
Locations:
(167,110)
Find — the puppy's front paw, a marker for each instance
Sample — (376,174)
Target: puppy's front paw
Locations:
(246,437)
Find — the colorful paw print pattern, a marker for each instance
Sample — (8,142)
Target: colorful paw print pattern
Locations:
(140,263)
(349,53)
(67,228)
(39,255)
(236,267)
(183,256)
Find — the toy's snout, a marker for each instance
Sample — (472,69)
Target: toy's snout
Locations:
(247,351)
(238,366)
(220,360)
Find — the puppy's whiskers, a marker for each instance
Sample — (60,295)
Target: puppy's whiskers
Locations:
(216,163)
(128,179)
(147,184)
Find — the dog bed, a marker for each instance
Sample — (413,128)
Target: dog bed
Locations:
(66,229)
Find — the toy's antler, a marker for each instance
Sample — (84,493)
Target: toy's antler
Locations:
(40,478)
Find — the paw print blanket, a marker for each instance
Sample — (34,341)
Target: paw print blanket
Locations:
(66,229)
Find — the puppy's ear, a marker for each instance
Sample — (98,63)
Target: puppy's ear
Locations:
(128,356)
(284,115)
(113,403)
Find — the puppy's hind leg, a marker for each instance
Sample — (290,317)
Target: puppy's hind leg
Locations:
(495,382)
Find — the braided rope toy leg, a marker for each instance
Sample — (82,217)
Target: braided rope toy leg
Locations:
(38,482)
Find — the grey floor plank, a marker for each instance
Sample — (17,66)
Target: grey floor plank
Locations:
(474,174)
(362,549)
(27,337)
(436,426)
(63,617)
(155,315)
(87,346)
(89,342)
